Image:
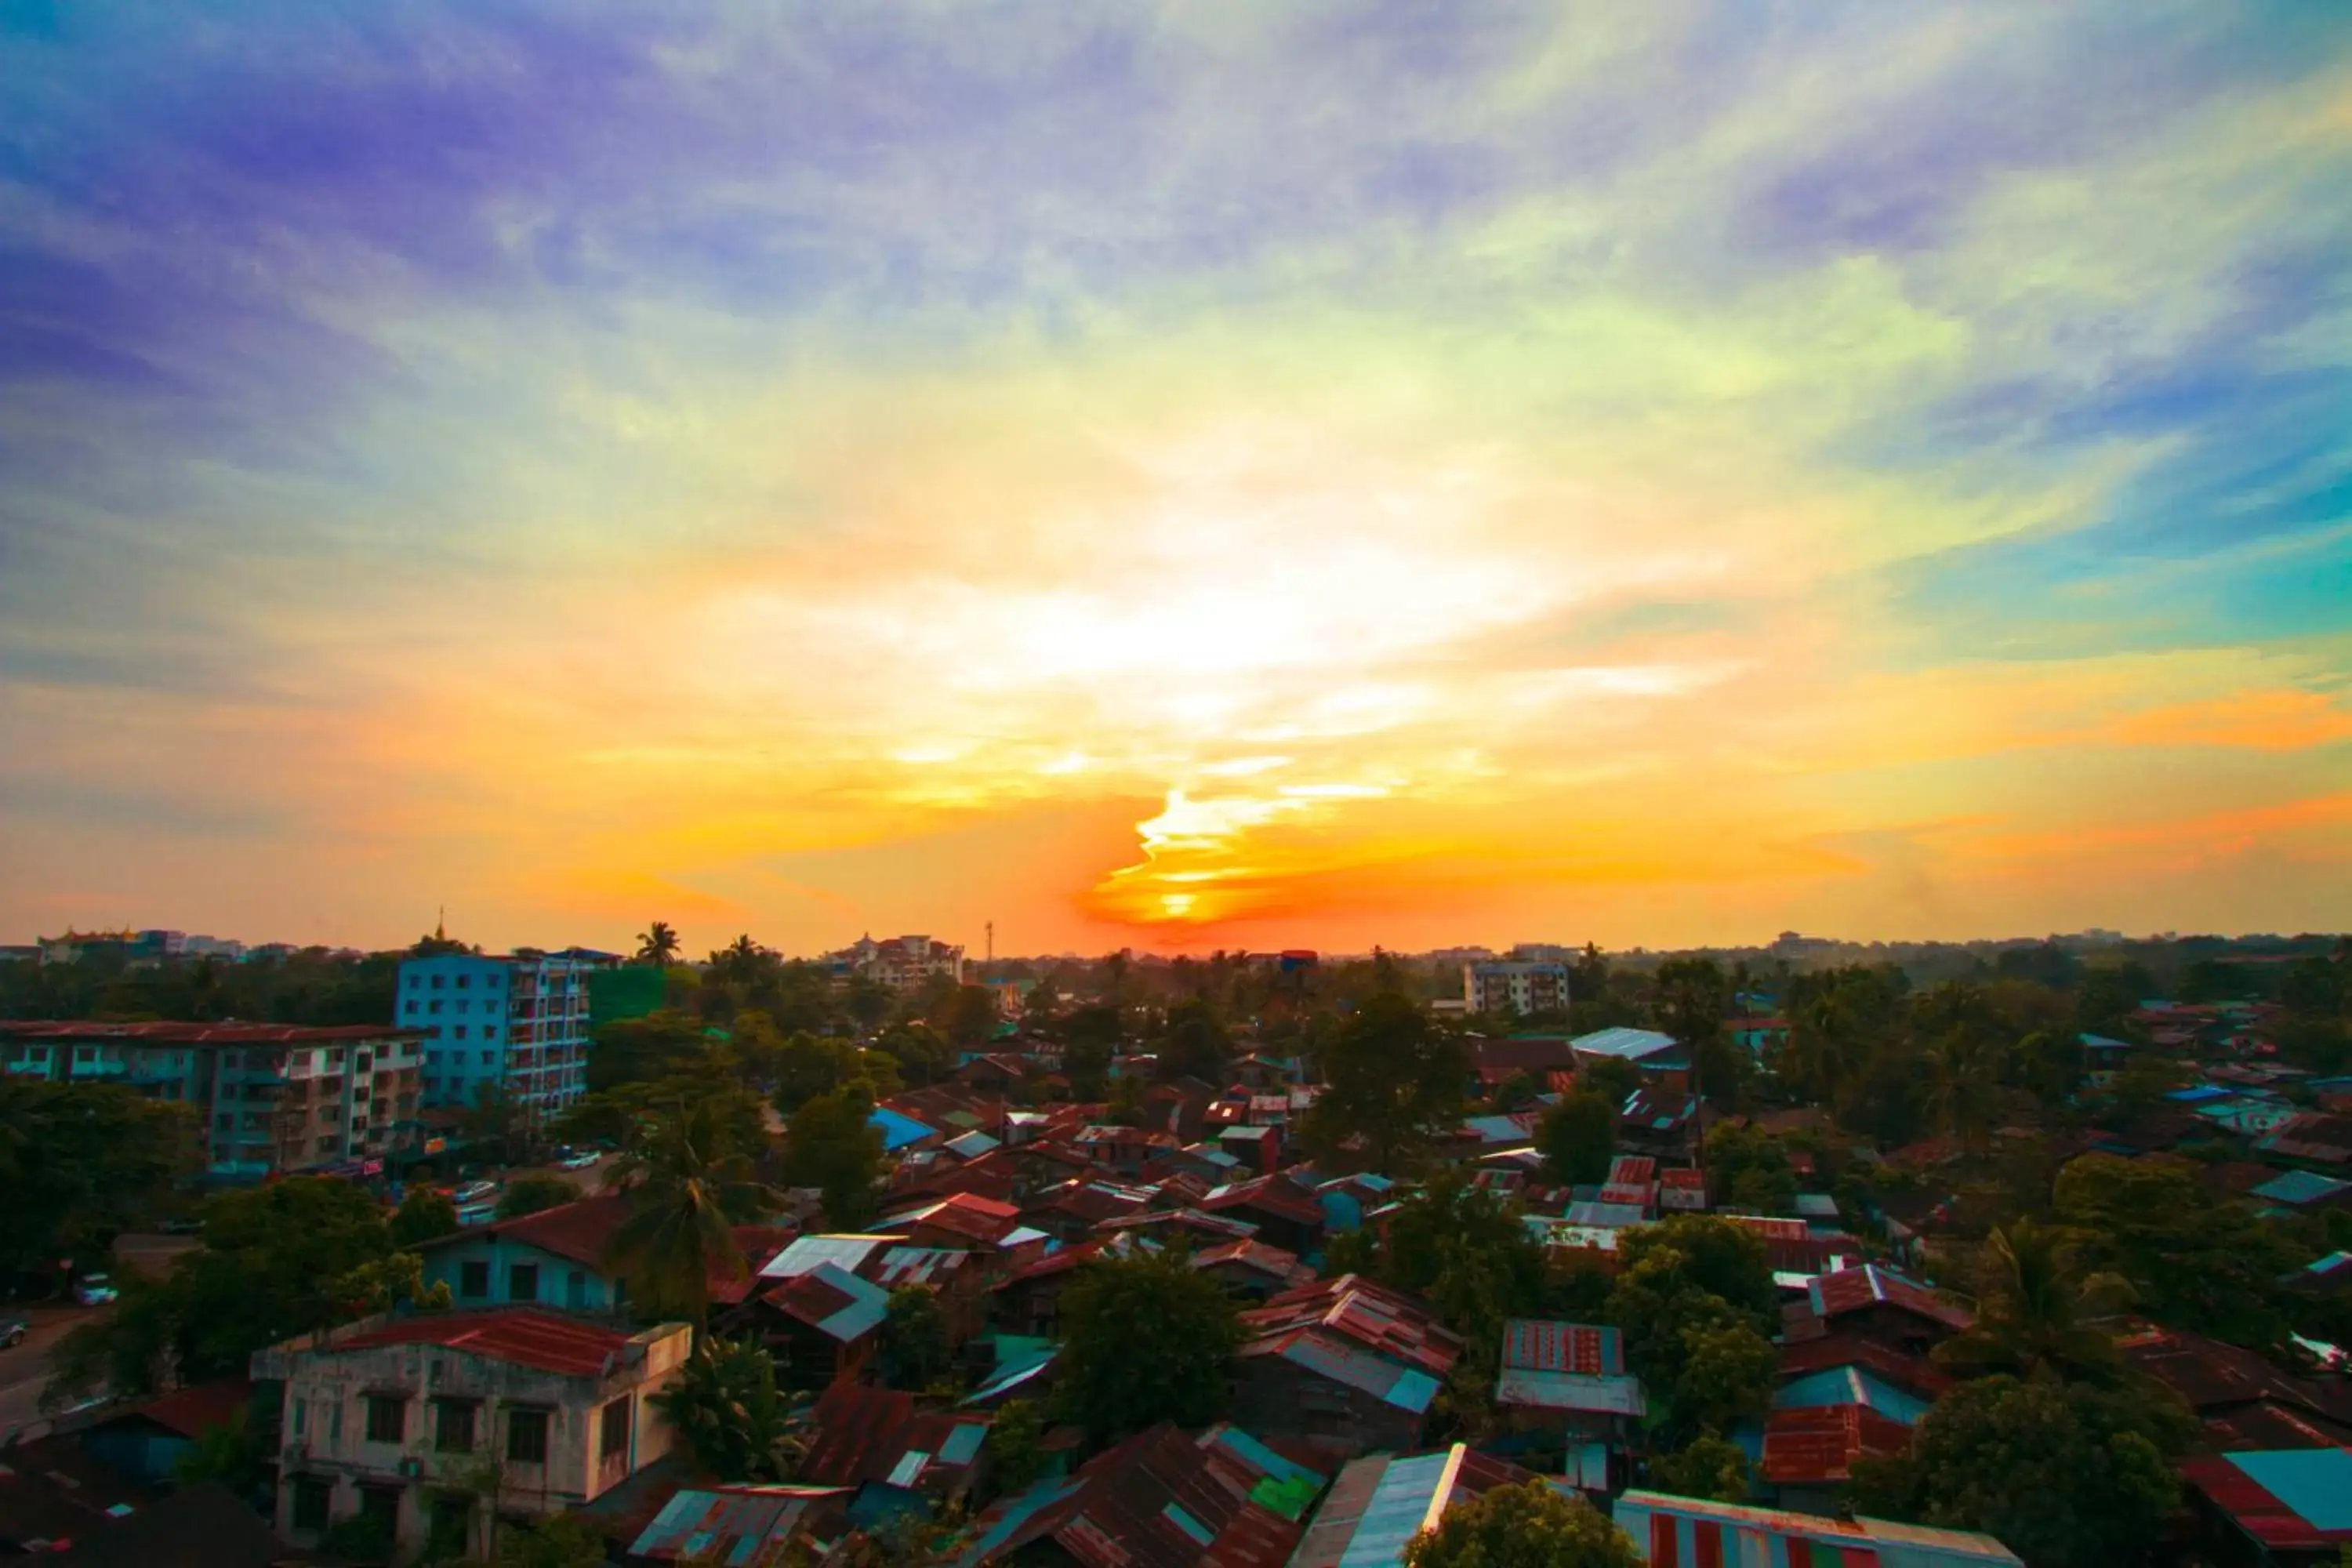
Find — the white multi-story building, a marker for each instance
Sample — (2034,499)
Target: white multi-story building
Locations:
(1512,987)
(900,962)
(274,1098)
(519,1021)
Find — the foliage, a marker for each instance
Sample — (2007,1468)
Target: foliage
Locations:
(1695,1298)
(425,1214)
(1516,1093)
(1526,1526)
(1193,1042)
(235,1453)
(557,1540)
(969,1016)
(1579,1137)
(1115,1306)
(658,945)
(1747,1168)
(1392,1080)
(1709,1466)
(530,1194)
(2194,1263)
(2067,1477)
(691,1182)
(640,1050)
(725,1405)
(2035,1309)
(831,1145)
(80,1163)
(1691,998)
(809,1066)
(1016,1444)
(1465,1250)
(276,1261)
(914,1336)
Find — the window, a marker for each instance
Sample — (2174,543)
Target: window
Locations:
(437,983)
(313,1497)
(522,1282)
(412,1004)
(387,1418)
(301,1414)
(414,981)
(488,1057)
(489,1031)
(474,1279)
(461,1031)
(380,1506)
(464,980)
(525,1436)
(612,1436)
(436,1005)
(575,1290)
(452,1523)
(335,1422)
(453,1425)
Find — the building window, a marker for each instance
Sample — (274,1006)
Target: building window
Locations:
(412,1003)
(453,1426)
(452,1526)
(464,980)
(525,1436)
(488,1057)
(301,1415)
(387,1418)
(474,1279)
(522,1282)
(413,981)
(313,1497)
(437,983)
(380,1506)
(335,1424)
(461,1031)
(613,1433)
(436,1005)
(489,1031)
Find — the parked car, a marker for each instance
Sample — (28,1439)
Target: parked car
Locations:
(473,1193)
(581,1160)
(13,1331)
(95,1290)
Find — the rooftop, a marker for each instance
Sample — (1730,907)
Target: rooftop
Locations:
(520,1336)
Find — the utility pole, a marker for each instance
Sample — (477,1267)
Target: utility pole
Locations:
(990,929)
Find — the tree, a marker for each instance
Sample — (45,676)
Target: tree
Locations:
(1195,1042)
(235,1452)
(1017,1440)
(1113,1306)
(690,1184)
(914,1338)
(79,1163)
(1578,1138)
(425,1214)
(557,1541)
(278,1260)
(1696,1300)
(2064,1476)
(1393,1081)
(2035,1311)
(725,1405)
(1692,998)
(970,1016)
(1528,1525)
(809,1066)
(833,1145)
(529,1195)
(642,1050)
(1516,1093)
(1747,1167)
(658,945)
(1707,1465)
(2192,1263)
(496,1125)
(1463,1249)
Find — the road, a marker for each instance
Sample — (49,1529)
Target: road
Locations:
(24,1369)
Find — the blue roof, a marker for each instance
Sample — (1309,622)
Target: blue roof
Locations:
(898,1130)
(963,1443)
(2199,1092)
(1260,1457)
(2101,1042)
(1629,1044)
(2315,1482)
(2300,1187)
(1392,1516)
(1849,1386)
(1392,1384)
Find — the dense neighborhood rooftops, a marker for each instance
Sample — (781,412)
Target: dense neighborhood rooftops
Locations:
(1816,1445)
(832,1300)
(2286,1500)
(1380,1501)
(1858,1290)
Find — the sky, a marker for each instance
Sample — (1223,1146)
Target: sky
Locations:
(1178,476)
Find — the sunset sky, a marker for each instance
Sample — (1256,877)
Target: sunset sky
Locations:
(1181,476)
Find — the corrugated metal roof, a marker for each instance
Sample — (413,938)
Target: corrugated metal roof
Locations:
(2290,1501)
(1607,1216)
(2301,1187)
(751,1527)
(1400,1386)
(1626,1045)
(1541,1345)
(1617,1394)
(1637,1513)
(807,1253)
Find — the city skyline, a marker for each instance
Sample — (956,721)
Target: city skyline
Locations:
(1231,476)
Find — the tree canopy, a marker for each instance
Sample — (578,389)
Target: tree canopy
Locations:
(725,1405)
(1530,1525)
(1116,1307)
(1393,1081)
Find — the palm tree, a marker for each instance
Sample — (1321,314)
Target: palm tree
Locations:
(1962,1089)
(2037,1310)
(658,945)
(685,1187)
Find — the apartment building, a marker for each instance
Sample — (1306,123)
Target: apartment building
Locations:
(274,1098)
(901,962)
(439,1424)
(1508,986)
(519,1021)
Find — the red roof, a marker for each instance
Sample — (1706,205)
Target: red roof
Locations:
(2257,1510)
(863,1433)
(524,1336)
(1631,1170)
(1540,1345)
(1124,1509)
(1276,1195)
(1257,1255)
(967,1215)
(1858,1290)
(580,1231)
(1914,1373)
(1819,1445)
(192,1412)
(1387,1322)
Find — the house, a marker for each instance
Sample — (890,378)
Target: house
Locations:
(1380,1502)
(742,1526)
(2277,1508)
(398,1419)
(823,1325)
(969,1221)
(148,1442)
(1253,1270)
(559,1258)
(880,1438)
(1683,1533)
(2304,1192)
(1256,1149)
(1809,1452)
(1758,1036)
(959,1279)
(2242,1399)
(1160,1499)
(1069,1210)
(1661,1120)
(2321,1137)
(1873,1303)
(1682,1191)
(1122,1149)
(1285,1214)
(1343,1365)
(1569,1381)
(1029,1301)
(1662,1059)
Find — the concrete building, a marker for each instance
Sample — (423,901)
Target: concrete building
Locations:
(273,1098)
(520,1022)
(1515,987)
(433,1425)
(901,962)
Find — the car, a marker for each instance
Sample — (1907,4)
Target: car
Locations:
(13,1331)
(582,1161)
(184,1226)
(95,1290)
(473,1193)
